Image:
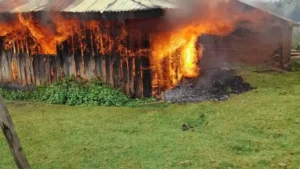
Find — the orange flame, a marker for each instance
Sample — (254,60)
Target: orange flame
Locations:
(174,53)
(14,69)
(180,47)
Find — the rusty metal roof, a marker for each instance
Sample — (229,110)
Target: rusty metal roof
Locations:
(14,6)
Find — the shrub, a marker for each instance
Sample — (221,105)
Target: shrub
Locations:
(74,92)
(298,46)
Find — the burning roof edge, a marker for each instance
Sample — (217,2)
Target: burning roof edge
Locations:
(99,6)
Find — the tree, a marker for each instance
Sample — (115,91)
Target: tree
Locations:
(286,8)
(295,15)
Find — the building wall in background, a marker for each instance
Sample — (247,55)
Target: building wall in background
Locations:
(266,43)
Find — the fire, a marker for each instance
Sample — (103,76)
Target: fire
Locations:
(189,59)
(176,54)
(44,38)
(14,69)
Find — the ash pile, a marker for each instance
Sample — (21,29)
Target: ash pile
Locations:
(213,84)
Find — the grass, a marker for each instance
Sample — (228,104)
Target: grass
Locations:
(258,129)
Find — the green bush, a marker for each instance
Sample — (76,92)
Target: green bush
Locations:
(73,92)
(298,46)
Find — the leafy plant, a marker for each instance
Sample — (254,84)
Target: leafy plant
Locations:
(298,46)
(75,92)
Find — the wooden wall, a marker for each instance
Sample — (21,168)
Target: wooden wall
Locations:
(130,74)
(267,42)
(129,69)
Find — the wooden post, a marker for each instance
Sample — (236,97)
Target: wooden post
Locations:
(12,138)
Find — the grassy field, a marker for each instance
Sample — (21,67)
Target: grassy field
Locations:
(258,129)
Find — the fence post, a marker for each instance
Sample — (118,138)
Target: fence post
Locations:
(12,138)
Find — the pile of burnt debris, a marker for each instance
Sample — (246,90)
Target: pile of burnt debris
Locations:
(213,84)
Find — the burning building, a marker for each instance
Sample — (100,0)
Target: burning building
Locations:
(142,47)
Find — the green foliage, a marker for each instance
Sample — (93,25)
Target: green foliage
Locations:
(296,38)
(73,92)
(286,8)
(298,46)
(295,64)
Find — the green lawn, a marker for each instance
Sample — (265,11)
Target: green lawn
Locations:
(258,129)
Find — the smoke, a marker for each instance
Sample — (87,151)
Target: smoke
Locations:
(192,11)
(198,12)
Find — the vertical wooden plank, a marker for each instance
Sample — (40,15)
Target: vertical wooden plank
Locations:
(53,70)
(132,75)
(115,56)
(2,53)
(47,68)
(110,70)
(14,60)
(125,76)
(88,56)
(77,55)
(95,35)
(36,69)
(116,72)
(1,67)
(4,65)
(31,58)
(64,58)
(137,84)
(12,138)
(71,63)
(59,62)
(121,77)
(107,68)
(98,63)
(16,67)
(147,87)
(31,69)
(78,63)
(112,34)
(39,68)
(86,65)
(23,69)
(103,68)
(82,44)
(130,63)
(17,61)
(9,57)
(27,69)
(42,69)
(146,71)
(95,62)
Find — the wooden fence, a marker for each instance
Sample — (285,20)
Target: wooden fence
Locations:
(129,74)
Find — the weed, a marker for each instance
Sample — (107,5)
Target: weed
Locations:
(75,92)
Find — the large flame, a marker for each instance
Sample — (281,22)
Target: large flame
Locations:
(176,54)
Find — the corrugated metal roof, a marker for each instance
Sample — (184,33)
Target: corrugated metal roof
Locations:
(14,6)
